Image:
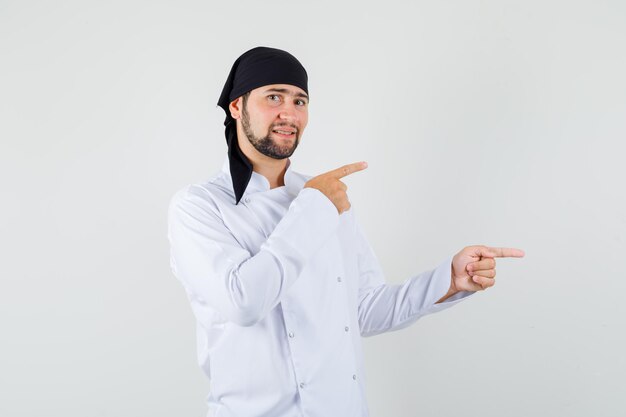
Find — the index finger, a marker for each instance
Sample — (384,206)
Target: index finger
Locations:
(347,169)
(506,252)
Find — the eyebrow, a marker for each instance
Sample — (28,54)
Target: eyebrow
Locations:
(285,91)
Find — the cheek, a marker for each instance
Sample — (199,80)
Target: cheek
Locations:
(264,120)
(304,118)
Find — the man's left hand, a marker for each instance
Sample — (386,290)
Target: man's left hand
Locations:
(474,267)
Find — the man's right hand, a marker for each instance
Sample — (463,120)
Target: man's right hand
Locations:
(330,185)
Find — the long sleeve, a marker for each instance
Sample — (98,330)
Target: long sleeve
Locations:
(383,307)
(217,271)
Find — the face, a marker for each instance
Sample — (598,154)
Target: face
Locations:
(273,118)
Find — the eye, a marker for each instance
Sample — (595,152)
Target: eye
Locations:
(274,97)
(301,102)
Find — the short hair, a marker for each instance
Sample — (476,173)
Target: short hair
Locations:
(245,98)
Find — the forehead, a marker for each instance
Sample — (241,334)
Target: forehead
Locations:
(287,89)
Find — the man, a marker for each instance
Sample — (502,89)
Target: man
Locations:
(280,276)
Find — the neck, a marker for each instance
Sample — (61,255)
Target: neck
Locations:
(272,169)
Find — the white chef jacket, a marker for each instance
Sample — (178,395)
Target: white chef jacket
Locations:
(283,288)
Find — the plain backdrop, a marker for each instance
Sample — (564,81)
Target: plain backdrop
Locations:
(483,122)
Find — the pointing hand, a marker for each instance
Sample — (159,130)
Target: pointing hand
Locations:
(474,267)
(330,185)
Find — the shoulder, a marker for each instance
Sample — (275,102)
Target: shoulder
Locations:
(202,197)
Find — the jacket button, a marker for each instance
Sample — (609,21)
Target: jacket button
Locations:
(291,334)
(338,279)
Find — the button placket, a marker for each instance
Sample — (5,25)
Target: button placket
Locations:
(246,200)
(346,327)
(292,345)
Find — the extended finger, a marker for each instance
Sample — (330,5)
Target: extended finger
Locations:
(484,282)
(347,169)
(502,252)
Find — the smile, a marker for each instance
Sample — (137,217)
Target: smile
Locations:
(284,133)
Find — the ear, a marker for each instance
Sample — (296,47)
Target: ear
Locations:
(235,108)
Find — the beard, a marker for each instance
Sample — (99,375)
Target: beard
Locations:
(266,145)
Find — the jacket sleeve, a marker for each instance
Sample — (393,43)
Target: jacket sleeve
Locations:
(218,273)
(384,307)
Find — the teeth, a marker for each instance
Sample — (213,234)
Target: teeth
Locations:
(283,132)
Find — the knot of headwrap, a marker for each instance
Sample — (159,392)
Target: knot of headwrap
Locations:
(253,69)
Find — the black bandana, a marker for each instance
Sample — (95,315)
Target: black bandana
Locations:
(255,68)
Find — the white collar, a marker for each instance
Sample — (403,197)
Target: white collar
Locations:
(258,183)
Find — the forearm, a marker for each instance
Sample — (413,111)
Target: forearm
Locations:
(386,308)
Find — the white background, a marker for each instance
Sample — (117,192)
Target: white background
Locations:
(483,122)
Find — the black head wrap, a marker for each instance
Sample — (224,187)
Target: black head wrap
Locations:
(255,68)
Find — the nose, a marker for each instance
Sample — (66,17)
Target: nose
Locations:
(288,112)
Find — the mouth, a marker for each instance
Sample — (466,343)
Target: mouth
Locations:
(285,133)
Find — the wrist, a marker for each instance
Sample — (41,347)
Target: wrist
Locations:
(453,279)
(451,291)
